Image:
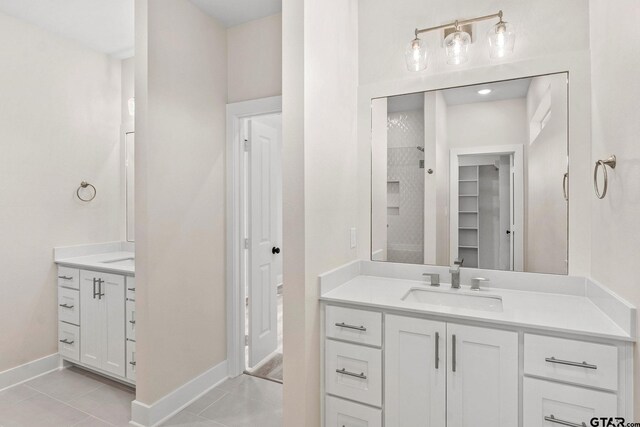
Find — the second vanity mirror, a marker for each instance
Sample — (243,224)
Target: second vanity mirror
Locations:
(478,173)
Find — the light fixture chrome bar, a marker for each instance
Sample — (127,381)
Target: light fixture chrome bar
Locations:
(456,24)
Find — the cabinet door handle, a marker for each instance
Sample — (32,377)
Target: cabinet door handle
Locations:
(65,305)
(453,353)
(570,363)
(65,277)
(94,288)
(437,349)
(100,293)
(555,420)
(131,289)
(132,363)
(357,328)
(65,341)
(133,322)
(343,371)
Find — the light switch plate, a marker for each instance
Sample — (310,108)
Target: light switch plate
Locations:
(354,238)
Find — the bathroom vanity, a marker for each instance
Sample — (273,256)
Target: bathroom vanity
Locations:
(96,308)
(547,350)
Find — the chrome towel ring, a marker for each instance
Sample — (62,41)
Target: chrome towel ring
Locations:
(611,162)
(85,184)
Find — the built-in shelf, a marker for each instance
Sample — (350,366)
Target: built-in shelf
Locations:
(468,212)
(467,195)
(467,228)
(467,180)
(468,247)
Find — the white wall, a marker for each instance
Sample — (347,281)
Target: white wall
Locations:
(482,124)
(128,88)
(255,59)
(545,206)
(181,92)
(320,179)
(59,125)
(615,41)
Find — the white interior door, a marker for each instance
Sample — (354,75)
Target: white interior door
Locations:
(264,256)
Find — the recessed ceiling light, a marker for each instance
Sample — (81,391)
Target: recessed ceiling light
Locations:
(484,91)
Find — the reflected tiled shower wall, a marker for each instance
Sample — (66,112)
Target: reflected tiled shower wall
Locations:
(405,187)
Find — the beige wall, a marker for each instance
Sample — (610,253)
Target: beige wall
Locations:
(59,125)
(320,177)
(181,93)
(255,59)
(615,41)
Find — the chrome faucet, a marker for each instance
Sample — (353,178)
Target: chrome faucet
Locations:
(455,273)
(434,278)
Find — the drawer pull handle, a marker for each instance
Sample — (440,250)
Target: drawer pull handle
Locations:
(357,328)
(133,322)
(131,289)
(65,277)
(570,363)
(132,363)
(65,306)
(555,420)
(65,341)
(343,371)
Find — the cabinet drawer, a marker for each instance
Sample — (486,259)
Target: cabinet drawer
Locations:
(342,413)
(354,372)
(69,305)
(131,360)
(548,404)
(131,288)
(131,320)
(573,361)
(69,277)
(69,341)
(360,326)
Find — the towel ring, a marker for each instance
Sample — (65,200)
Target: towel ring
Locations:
(611,162)
(85,184)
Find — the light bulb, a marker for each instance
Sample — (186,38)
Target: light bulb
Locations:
(457,47)
(502,38)
(416,55)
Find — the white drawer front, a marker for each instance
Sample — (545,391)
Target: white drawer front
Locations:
(354,372)
(69,277)
(342,413)
(69,305)
(562,359)
(131,360)
(131,288)
(360,326)
(544,401)
(131,320)
(69,341)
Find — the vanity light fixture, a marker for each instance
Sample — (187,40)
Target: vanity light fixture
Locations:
(484,91)
(501,41)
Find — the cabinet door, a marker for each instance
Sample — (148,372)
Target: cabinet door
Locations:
(90,319)
(113,306)
(482,377)
(131,360)
(415,371)
(552,404)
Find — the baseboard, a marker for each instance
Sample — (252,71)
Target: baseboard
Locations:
(152,415)
(28,371)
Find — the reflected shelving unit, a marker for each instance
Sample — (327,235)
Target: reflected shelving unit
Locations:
(468,221)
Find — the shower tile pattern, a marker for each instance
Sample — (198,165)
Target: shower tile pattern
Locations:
(405,188)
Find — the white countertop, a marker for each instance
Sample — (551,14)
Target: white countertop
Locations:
(97,262)
(539,310)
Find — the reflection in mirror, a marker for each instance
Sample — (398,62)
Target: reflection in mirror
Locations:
(475,172)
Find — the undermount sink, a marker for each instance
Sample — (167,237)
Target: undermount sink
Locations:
(454,298)
(122,262)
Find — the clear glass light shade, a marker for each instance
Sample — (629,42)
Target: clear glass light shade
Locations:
(416,55)
(457,47)
(502,38)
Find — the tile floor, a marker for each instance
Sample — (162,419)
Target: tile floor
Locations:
(74,397)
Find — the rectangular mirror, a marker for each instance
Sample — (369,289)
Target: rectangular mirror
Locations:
(476,173)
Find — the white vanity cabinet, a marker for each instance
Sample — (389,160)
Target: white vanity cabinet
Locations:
(435,368)
(96,321)
(102,334)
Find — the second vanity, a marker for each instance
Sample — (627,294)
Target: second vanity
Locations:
(96,308)
(399,352)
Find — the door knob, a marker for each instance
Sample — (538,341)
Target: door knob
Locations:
(275,250)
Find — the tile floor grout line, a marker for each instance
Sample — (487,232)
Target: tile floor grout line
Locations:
(208,406)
